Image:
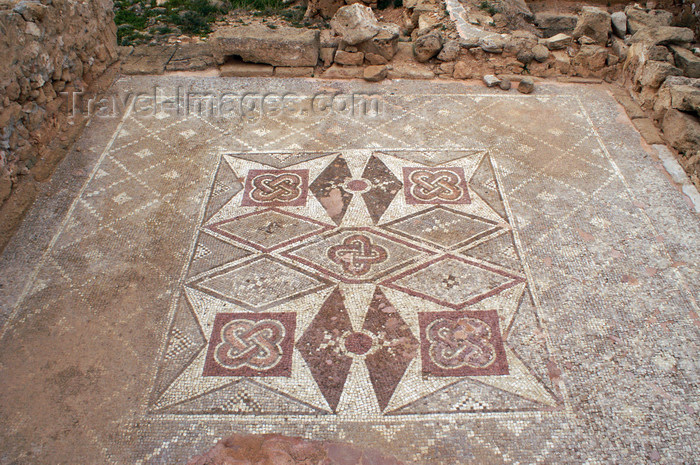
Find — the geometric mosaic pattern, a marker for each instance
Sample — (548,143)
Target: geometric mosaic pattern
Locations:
(452,280)
(361,301)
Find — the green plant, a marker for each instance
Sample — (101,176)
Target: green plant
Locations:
(128,36)
(190,16)
(265,6)
(384,4)
(131,18)
(294,15)
(162,30)
(137,18)
(487,7)
(191,22)
(203,8)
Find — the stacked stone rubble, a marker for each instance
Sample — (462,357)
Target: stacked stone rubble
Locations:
(49,48)
(663,74)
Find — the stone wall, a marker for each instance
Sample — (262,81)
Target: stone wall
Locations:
(687,14)
(48,47)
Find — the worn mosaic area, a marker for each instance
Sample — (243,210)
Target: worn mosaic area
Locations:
(467,276)
(358,285)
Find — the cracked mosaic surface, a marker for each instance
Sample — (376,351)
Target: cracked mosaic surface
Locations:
(451,280)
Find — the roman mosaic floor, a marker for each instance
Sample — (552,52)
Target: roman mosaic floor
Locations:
(449,273)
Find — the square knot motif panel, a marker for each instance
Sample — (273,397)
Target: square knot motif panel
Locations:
(358,285)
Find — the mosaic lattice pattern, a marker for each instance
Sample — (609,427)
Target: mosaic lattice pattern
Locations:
(358,285)
(470,276)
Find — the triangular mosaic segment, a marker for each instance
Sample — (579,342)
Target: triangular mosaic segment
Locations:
(499,249)
(185,342)
(244,397)
(211,253)
(467,396)
(226,185)
(485,184)
(530,344)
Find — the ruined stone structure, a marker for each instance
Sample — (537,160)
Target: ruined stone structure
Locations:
(49,47)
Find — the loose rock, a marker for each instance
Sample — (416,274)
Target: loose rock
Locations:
(516,12)
(450,51)
(655,72)
(426,22)
(374,59)
(685,98)
(504,84)
(525,56)
(687,61)
(375,73)
(324,8)
(557,42)
(562,61)
(490,80)
(519,41)
(462,70)
(427,46)
(355,23)
(446,68)
(619,23)
(638,19)
(343,72)
(540,53)
(594,23)
(492,44)
(681,130)
(423,5)
(33,29)
(552,24)
(592,57)
(619,48)
(385,43)
(659,53)
(349,58)
(526,86)
(31,11)
(663,36)
(469,42)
